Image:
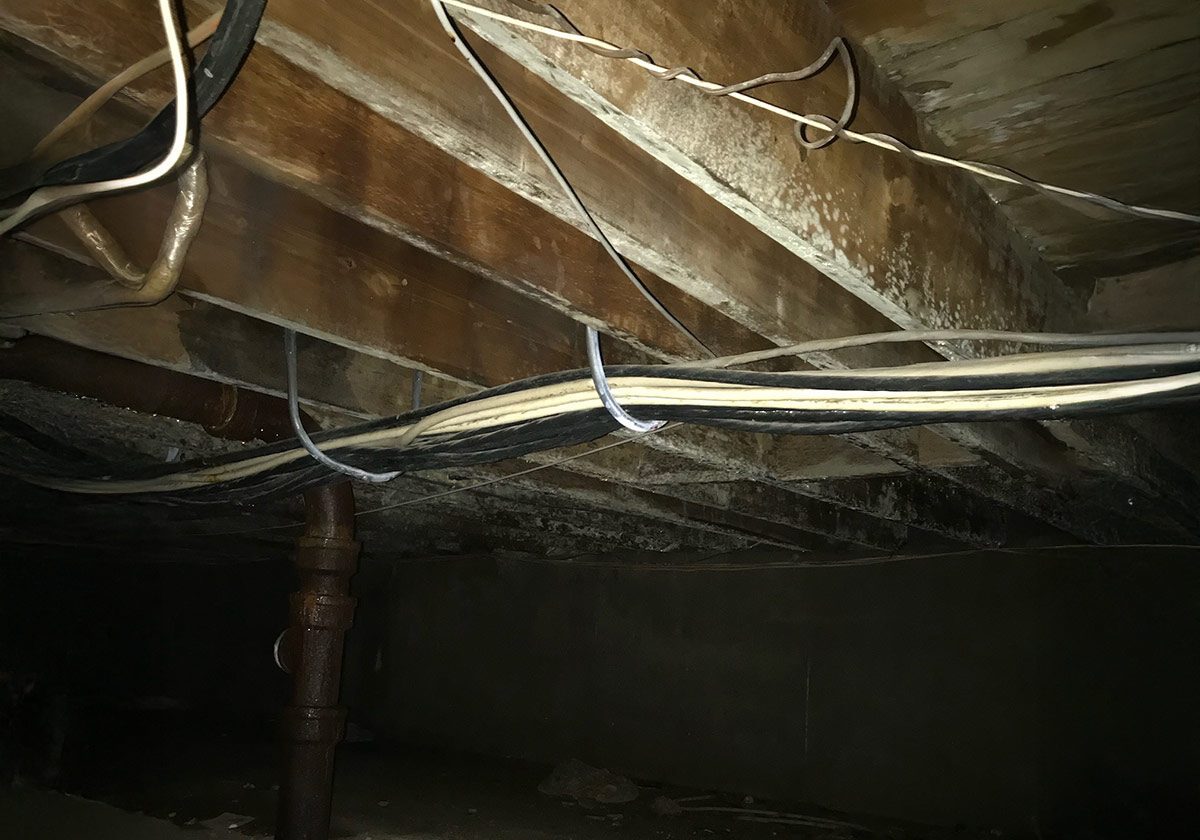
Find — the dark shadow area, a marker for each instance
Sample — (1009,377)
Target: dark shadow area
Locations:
(1047,695)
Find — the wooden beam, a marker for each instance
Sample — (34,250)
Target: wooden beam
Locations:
(779,505)
(194,337)
(1164,298)
(1172,434)
(837,524)
(908,499)
(683,511)
(1164,491)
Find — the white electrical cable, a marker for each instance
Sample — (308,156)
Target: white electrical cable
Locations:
(293,394)
(822,345)
(882,141)
(47,198)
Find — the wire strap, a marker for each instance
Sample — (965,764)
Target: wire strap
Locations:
(289,348)
(600,380)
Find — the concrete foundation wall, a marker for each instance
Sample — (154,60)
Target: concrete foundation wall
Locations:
(990,689)
(179,635)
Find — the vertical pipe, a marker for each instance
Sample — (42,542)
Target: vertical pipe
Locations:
(322,611)
(326,555)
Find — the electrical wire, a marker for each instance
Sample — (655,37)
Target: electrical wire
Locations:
(821,345)
(214,73)
(293,396)
(882,141)
(510,108)
(197,35)
(49,198)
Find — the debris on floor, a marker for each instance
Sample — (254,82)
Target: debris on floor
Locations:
(665,806)
(227,820)
(588,785)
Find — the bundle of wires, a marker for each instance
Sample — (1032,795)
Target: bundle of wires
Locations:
(87,175)
(564,409)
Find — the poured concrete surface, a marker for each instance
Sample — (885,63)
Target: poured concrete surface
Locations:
(48,815)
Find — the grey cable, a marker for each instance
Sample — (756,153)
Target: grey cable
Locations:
(904,336)
(492,85)
(289,348)
(418,381)
(600,381)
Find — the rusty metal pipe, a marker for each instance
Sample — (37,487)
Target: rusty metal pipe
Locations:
(223,410)
(311,650)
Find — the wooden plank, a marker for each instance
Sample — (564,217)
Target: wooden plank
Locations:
(1161,491)
(791,457)
(1097,96)
(200,339)
(1172,434)
(838,525)
(680,510)
(764,500)
(1166,298)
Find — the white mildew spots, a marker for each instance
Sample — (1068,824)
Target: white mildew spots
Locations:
(722,153)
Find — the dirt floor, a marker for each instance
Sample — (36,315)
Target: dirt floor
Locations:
(164,776)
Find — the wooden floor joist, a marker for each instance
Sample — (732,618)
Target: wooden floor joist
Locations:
(443,218)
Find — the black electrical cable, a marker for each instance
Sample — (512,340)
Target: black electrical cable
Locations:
(214,73)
